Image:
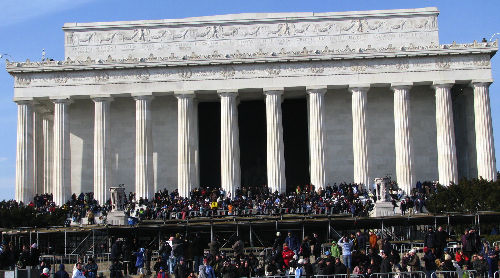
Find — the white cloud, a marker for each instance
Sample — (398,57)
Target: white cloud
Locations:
(14,11)
(3,158)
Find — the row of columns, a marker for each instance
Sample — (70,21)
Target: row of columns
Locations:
(56,164)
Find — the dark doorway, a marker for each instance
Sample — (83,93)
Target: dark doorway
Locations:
(209,143)
(295,137)
(252,125)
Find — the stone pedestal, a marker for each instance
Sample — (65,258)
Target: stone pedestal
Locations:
(382,209)
(383,206)
(117,214)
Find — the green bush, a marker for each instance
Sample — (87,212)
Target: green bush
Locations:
(466,196)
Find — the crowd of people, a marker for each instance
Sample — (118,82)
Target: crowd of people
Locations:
(359,253)
(342,198)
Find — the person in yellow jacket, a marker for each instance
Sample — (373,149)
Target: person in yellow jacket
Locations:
(214,205)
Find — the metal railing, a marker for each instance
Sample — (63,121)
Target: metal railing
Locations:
(173,215)
(456,274)
(412,274)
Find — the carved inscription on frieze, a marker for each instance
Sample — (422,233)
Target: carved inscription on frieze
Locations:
(249,37)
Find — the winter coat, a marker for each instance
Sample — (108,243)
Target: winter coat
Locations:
(385,266)
(140,258)
(335,250)
(346,246)
(292,242)
(430,240)
(287,255)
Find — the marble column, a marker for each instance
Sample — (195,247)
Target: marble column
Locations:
(230,145)
(275,147)
(187,132)
(447,154)
(143,148)
(359,135)
(485,148)
(317,140)
(38,150)
(101,148)
(61,166)
(402,137)
(24,152)
(48,144)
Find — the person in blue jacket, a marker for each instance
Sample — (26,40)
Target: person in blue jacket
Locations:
(293,242)
(346,245)
(139,263)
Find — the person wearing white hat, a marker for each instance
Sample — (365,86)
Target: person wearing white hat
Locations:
(45,273)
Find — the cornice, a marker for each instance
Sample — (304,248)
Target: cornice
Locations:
(253,58)
(247,18)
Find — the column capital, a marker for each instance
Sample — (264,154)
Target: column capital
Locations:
(481,83)
(66,100)
(274,91)
(316,89)
(401,85)
(24,101)
(443,84)
(227,93)
(101,98)
(359,87)
(143,96)
(184,94)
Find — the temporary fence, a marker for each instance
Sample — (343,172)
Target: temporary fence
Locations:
(457,274)
(412,274)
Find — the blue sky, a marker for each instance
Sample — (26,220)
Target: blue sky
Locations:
(28,26)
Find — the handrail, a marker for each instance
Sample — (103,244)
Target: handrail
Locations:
(85,239)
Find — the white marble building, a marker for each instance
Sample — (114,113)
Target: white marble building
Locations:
(383,97)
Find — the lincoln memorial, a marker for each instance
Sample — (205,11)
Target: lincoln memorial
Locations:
(277,99)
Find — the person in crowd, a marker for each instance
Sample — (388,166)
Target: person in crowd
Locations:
(299,270)
(45,273)
(373,241)
(385,266)
(115,269)
(441,239)
(430,261)
(346,245)
(316,245)
(361,238)
(447,265)
(181,270)
(139,262)
(292,242)
(430,239)
(335,250)
(480,265)
(492,259)
(91,269)
(305,248)
(78,271)
(62,272)
(339,267)
(287,255)
(163,274)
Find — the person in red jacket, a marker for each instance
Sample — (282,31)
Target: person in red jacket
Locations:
(287,254)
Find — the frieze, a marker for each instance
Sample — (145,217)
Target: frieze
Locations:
(258,70)
(216,32)
(212,39)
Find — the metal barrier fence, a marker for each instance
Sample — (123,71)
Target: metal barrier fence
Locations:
(172,215)
(457,274)
(496,274)
(412,274)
